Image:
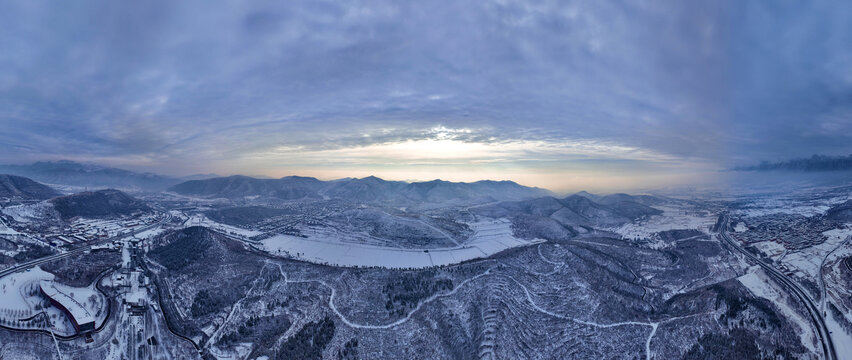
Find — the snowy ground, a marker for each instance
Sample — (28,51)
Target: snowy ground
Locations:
(490,237)
(805,204)
(808,260)
(841,339)
(838,294)
(149,233)
(20,299)
(673,217)
(6,230)
(29,212)
(770,248)
(781,207)
(201,220)
(760,285)
(15,289)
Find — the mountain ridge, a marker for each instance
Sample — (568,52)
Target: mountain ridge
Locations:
(66,172)
(366,189)
(13,186)
(815,163)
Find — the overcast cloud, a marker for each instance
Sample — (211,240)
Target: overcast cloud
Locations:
(549,93)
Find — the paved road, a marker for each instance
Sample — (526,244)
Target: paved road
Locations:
(793,287)
(88,247)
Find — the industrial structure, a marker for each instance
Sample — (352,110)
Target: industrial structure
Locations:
(78,314)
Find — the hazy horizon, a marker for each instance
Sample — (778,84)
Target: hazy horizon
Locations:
(563,96)
(713,139)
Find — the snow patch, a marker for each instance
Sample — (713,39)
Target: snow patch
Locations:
(29,212)
(201,220)
(841,339)
(672,218)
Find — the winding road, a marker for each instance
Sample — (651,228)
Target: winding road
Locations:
(794,288)
(385,326)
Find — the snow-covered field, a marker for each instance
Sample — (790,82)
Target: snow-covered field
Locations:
(760,206)
(770,248)
(6,230)
(15,289)
(490,237)
(769,208)
(149,233)
(26,213)
(671,219)
(808,260)
(21,299)
(201,220)
(841,339)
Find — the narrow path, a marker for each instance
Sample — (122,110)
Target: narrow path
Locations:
(440,231)
(546,260)
(648,342)
(652,325)
(55,342)
(385,326)
(234,308)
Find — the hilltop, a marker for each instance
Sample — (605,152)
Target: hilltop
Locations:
(19,187)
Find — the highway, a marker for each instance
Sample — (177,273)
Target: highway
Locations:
(794,288)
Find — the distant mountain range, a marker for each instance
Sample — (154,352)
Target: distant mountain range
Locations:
(72,173)
(18,187)
(814,163)
(368,189)
(617,198)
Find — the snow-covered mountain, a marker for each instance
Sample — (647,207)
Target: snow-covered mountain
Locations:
(72,173)
(366,189)
(19,187)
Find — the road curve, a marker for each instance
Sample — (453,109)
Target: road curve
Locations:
(819,322)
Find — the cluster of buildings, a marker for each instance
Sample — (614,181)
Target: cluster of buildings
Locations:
(133,283)
(793,232)
(310,214)
(83,230)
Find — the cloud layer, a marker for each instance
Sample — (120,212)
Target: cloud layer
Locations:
(553,93)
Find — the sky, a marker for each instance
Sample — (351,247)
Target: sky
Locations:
(598,95)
